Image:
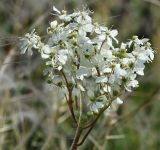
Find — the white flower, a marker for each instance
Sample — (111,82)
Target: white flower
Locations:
(131,82)
(84,23)
(62,56)
(113,34)
(31,40)
(84,28)
(119,71)
(83,18)
(45,51)
(139,68)
(137,40)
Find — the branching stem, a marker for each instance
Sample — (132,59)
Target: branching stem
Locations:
(69,101)
(93,124)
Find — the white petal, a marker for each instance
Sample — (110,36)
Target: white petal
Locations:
(79,19)
(151,56)
(119,71)
(56,10)
(65,18)
(82,32)
(45,56)
(53,23)
(97,30)
(106,70)
(102,37)
(113,33)
(88,19)
(140,72)
(119,101)
(123,45)
(62,59)
(109,42)
(46,49)
(101,79)
(107,54)
(88,27)
(130,43)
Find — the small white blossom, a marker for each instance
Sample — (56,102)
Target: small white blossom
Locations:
(119,71)
(62,56)
(31,40)
(45,51)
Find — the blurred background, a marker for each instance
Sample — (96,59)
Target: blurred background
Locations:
(34,118)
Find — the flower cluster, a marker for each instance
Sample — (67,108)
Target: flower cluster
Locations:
(86,59)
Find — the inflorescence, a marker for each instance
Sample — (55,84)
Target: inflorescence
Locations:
(86,58)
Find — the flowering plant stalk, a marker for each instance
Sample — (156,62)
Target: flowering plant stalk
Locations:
(89,65)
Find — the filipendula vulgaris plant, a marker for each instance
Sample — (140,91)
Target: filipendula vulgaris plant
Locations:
(86,61)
